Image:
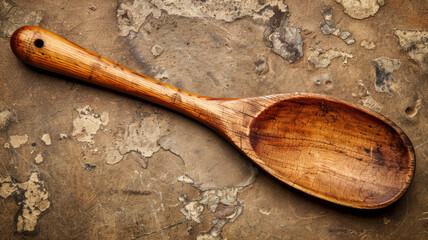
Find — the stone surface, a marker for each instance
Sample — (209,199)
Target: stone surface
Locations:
(14,16)
(210,48)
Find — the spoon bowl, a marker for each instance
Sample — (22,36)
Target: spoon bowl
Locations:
(325,147)
(330,149)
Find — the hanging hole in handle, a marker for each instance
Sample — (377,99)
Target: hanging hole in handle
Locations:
(39,43)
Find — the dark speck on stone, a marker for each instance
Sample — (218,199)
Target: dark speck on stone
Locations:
(33,144)
(90,167)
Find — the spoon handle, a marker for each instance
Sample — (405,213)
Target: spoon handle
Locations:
(44,49)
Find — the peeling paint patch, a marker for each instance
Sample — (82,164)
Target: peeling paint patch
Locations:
(415,43)
(384,67)
(192,211)
(17,140)
(7,186)
(39,158)
(31,196)
(223,203)
(328,27)
(284,40)
(287,43)
(143,136)
(6,118)
(46,138)
(360,9)
(87,124)
(132,15)
(226,196)
(13,17)
(185,178)
(320,58)
(215,231)
(368,45)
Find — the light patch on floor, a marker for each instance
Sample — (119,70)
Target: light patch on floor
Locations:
(320,58)
(368,45)
(360,9)
(31,196)
(17,140)
(87,124)
(131,16)
(143,136)
(224,204)
(46,138)
(39,158)
(185,179)
(415,43)
(6,118)
(192,211)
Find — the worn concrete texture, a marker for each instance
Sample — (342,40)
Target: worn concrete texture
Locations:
(83,162)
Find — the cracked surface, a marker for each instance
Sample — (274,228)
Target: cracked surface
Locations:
(31,197)
(136,196)
(87,124)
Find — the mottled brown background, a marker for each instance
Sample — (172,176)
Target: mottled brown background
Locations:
(211,52)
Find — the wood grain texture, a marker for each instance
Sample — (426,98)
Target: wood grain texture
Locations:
(325,147)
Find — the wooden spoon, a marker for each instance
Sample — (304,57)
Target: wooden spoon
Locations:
(325,147)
